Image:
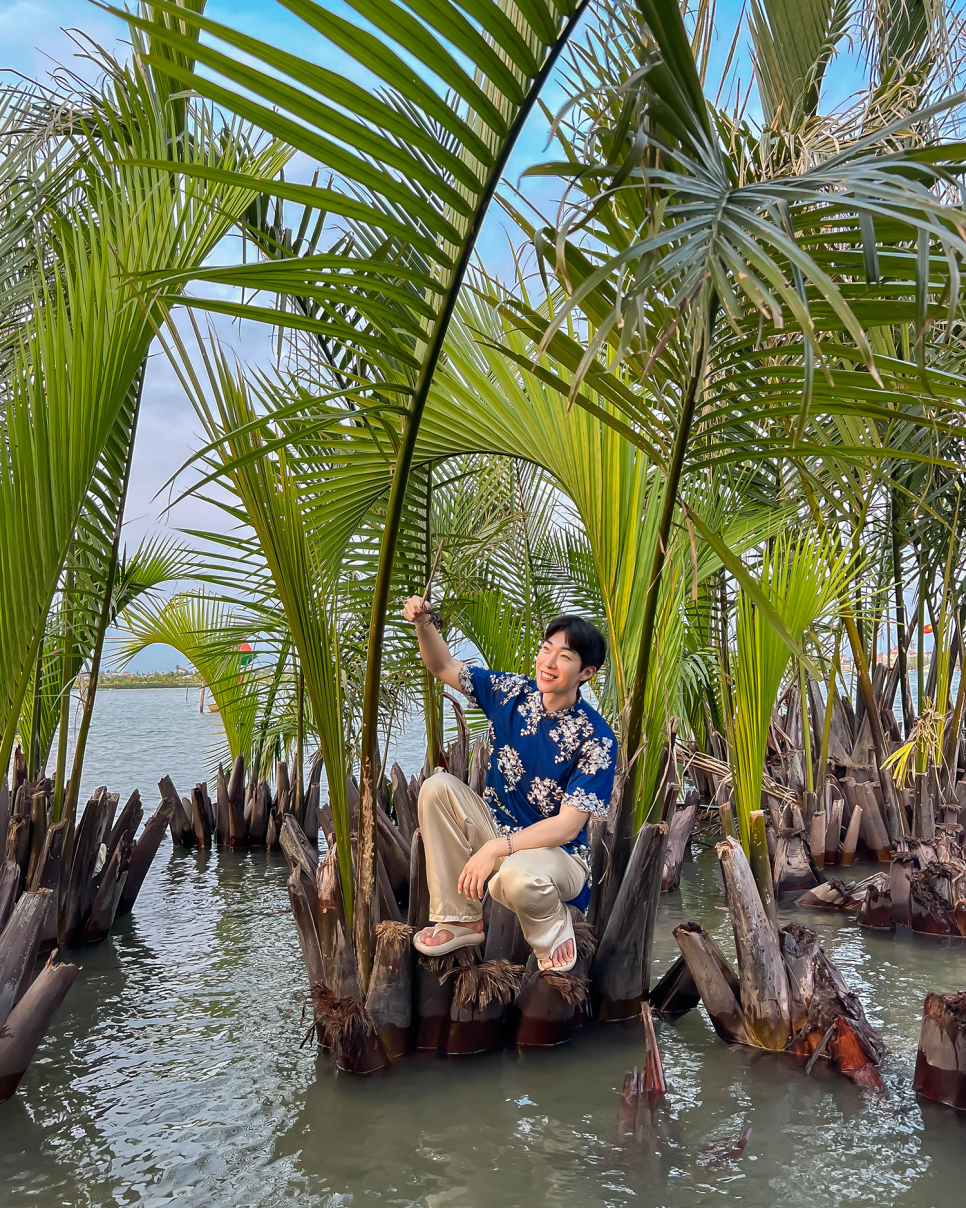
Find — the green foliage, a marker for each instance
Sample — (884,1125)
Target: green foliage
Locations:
(86,220)
(209,636)
(803,578)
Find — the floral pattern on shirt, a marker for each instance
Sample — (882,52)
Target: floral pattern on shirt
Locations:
(595,755)
(570,733)
(509,686)
(587,803)
(510,765)
(545,794)
(490,797)
(531,710)
(465,676)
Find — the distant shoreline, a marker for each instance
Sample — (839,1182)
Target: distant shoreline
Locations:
(131,687)
(125,682)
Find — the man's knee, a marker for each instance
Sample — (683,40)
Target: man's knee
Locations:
(433,794)
(517,887)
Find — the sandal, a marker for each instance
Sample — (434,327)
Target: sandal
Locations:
(463,937)
(568,934)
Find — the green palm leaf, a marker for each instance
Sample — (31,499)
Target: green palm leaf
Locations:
(417,159)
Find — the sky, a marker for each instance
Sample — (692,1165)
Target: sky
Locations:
(35,35)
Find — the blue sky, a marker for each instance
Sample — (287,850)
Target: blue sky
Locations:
(35,35)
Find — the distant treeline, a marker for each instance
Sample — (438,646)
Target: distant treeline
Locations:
(160,679)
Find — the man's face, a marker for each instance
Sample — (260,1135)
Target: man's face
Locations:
(558,667)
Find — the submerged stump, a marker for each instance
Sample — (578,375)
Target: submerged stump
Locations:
(390,998)
(481,995)
(620,972)
(433,996)
(551,1007)
(27,1023)
(941,1060)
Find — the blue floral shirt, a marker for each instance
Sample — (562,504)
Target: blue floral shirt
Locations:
(540,761)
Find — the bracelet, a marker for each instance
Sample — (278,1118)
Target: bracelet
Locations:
(509,843)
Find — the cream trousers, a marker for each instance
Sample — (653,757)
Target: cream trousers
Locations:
(534,884)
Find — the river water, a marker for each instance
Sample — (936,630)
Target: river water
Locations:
(173,1073)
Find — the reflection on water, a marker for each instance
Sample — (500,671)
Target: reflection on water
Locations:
(173,1073)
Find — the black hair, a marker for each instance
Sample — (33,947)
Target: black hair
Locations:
(583,638)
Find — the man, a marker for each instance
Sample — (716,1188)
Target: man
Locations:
(551,767)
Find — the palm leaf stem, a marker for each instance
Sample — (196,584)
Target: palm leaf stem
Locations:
(299,744)
(104,618)
(369,742)
(895,818)
(806,735)
(827,720)
(953,738)
(635,713)
(431,698)
(33,749)
(65,686)
(907,716)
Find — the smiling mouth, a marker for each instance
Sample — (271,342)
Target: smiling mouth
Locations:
(547,676)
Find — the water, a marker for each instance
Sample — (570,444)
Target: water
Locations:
(173,1073)
(138,735)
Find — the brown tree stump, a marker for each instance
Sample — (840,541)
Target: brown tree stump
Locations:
(550,1008)
(675,994)
(679,835)
(941,1061)
(390,998)
(144,852)
(433,996)
(621,968)
(481,995)
(28,1022)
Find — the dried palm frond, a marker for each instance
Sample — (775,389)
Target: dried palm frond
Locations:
(478,985)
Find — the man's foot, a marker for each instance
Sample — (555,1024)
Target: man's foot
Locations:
(444,935)
(563,954)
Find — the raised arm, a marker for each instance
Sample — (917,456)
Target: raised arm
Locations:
(432,649)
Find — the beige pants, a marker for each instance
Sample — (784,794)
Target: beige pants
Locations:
(534,884)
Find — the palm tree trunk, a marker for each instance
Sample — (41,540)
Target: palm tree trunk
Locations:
(431,696)
(634,725)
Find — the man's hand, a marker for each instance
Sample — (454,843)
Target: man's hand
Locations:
(478,869)
(416,610)
(432,648)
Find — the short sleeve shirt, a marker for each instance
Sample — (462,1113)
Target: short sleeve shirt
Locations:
(540,761)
